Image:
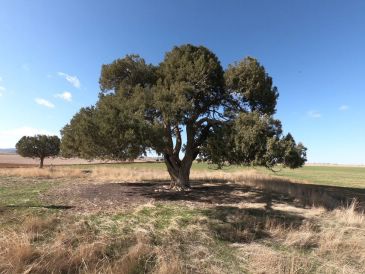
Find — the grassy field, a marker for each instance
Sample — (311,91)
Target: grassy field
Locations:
(342,176)
(123,219)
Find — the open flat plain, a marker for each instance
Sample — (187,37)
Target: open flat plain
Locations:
(79,217)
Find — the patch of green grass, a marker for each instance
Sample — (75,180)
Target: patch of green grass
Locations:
(169,222)
(226,253)
(23,194)
(165,215)
(160,216)
(325,175)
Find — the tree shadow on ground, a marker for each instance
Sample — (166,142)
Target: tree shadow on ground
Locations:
(225,217)
(217,193)
(129,194)
(63,207)
(264,191)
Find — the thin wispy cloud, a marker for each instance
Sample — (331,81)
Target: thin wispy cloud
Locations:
(44,102)
(67,96)
(1,79)
(314,114)
(343,108)
(73,80)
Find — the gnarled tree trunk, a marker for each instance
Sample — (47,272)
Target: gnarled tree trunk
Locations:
(179,172)
(178,169)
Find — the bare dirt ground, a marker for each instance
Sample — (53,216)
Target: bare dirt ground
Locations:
(110,196)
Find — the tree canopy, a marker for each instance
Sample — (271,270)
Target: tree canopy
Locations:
(185,108)
(39,146)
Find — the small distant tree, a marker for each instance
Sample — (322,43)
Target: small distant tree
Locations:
(39,146)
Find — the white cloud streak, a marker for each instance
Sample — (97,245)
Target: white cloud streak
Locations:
(343,108)
(314,114)
(67,96)
(44,102)
(73,80)
(10,137)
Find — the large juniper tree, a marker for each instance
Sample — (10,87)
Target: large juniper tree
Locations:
(226,117)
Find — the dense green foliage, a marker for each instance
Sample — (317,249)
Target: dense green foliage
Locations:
(227,116)
(39,146)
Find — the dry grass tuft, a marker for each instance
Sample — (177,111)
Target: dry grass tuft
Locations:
(262,259)
(327,244)
(332,242)
(16,252)
(350,215)
(127,174)
(37,225)
(47,173)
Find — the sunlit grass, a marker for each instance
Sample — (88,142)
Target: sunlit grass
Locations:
(343,176)
(22,195)
(325,175)
(175,237)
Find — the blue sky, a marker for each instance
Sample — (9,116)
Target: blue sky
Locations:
(51,54)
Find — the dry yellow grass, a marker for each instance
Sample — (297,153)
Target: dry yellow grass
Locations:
(49,172)
(331,242)
(74,249)
(174,239)
(130,174)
